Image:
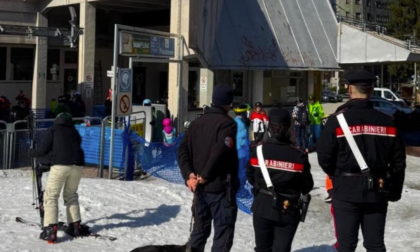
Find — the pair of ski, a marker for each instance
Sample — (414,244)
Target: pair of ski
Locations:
(62,227)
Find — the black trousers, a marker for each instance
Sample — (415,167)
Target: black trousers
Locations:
(216,207)
(350,216)
(258,137)
(273,236)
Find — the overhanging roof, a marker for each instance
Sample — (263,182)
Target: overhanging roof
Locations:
(264,34)
(360,47)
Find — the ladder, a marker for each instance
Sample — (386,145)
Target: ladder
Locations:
(98,84)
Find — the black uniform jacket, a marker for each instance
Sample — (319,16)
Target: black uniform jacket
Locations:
(64,143)
(377,138)
(208,149)
(289,171)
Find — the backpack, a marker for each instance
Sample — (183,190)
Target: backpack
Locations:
(302,116)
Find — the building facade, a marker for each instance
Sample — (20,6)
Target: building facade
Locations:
(370,11)
(256,61)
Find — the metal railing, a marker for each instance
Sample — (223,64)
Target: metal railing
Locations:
(119,123)
(15,139)
(408,41)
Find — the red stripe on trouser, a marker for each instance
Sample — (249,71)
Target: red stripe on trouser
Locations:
(335,227)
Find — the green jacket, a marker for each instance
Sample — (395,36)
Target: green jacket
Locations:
(316,113)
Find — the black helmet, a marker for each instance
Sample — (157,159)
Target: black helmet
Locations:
(64,118)
(241,108)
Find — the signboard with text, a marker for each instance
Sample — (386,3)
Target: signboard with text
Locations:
(160,46)
(146,45)
(138,128)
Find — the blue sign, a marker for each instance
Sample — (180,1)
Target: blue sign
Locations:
(162,47)
(125,80)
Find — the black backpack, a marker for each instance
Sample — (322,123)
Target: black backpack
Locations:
(302,116)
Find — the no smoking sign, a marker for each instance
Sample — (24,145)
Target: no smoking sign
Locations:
(125,104)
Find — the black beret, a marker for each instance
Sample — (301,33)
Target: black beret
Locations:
(359,77)
(222,95)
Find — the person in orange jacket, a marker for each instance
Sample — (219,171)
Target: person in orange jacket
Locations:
(329,187)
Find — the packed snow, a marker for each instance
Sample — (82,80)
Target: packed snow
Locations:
(157,212)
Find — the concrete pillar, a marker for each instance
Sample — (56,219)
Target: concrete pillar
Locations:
(311,83)
(258,87)
(317,87)
(87,54)
(180,12)
(206,86)
(39,86)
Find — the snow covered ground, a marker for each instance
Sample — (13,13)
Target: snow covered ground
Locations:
(157,212)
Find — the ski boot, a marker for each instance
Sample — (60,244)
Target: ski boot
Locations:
(76,229)
(49,233)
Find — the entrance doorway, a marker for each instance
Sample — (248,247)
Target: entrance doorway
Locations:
(139,87)
(70,80)
(163,86)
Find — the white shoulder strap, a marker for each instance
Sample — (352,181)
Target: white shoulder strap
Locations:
(263,167)
(352,143)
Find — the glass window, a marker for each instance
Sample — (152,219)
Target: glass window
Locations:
(53,64)
(280,73)
(386,105)
(22,60)
(358,2)
(358,15)
(296,74)
(388,95)
(238,84)
(268,74)
(3,63)
(71,57)
(377,93)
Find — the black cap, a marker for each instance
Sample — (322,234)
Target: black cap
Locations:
(359,77)
(258,104)
(279,116)
(240,108)
(222,95)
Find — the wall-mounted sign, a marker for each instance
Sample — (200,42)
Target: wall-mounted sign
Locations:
(160,46)
(152,46)
(203,83)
